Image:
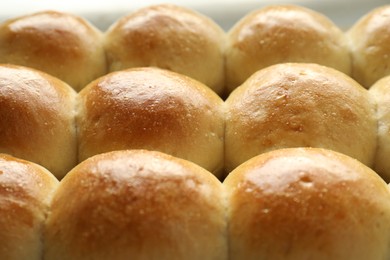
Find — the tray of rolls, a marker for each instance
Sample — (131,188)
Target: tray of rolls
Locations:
(167,136)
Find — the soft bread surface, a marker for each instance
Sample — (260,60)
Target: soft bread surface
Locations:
(307,203)
(137,205)
(61,44)
(380,92)
(297,104)
(155,109)
(369,46)
(170,37)
(37,118)
(283,33)
(25,193)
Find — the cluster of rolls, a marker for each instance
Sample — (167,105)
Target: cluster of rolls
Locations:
(182,40)
(45,121)
(293,203)
(167,138)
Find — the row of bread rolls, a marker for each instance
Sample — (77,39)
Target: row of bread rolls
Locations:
(187,42)
(296,203)
(44,120)
(278,34)
(74,50)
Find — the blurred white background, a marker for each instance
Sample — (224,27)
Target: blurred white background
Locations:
(225,12)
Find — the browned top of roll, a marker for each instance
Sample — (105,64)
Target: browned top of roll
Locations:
(306,203)
(369,44)
(61,44)
(154,109)
(283,33)
(148,205)
(170,37)
(37,114)
(25,192)
(297,104)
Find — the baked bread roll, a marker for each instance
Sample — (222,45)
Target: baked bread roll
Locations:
(25,192)
(152,109)
(37,118)
(61,44)
(303,203)
(137,205)
(380,92)
(279,34)
(169,37)
(298,104)
(369,45)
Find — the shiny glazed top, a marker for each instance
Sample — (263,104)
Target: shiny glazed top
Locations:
(61,44)
(154,109)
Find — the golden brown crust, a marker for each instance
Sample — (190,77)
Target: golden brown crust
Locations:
(303,203)
(292,104)
(169,37)
(37,118)
(369,45)
(61,44)
(148,205)
(380,92)
(152,109)
(283,33)
(25,192)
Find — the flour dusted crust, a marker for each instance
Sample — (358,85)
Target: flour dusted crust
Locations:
(137,205)
(169,37)
(307,203)
(283,33)
(61,44)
